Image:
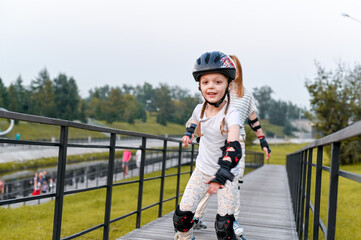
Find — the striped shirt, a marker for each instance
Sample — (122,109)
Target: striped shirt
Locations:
(245,106)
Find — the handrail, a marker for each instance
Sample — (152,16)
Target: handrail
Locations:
(299,169)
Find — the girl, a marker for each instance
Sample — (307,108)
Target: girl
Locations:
(219,148)
(243,101)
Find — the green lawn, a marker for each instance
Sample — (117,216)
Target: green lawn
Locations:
(279,152)
(33,131)
(348,220)
(84,210)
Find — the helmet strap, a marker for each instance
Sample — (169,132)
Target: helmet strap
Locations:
(217,104)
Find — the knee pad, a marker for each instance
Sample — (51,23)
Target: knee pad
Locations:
(182,220)
(224,227)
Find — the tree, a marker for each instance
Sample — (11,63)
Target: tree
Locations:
(18,97)
(263,98)
(114,106)
(66,97)
(162,101)
(145,95)
(42,95)
(335,103)
(3,95)
(277,112)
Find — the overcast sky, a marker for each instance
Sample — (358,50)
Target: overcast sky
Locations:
(129,42)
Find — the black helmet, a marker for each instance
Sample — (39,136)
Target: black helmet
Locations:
(214,62)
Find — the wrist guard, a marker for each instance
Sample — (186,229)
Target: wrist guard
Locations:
(190,130)
(224,172)
(251,122)
(264,143)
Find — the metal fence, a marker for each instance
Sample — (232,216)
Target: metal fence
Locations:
(183,156)
(299,169)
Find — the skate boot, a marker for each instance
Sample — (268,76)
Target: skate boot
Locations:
(238,230)
(199,224)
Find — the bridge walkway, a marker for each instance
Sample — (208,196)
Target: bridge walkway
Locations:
(266,211)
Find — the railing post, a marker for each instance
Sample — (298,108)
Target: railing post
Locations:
(59,198)
(178,174)
(141,183)
(298,170)
(308,193)
(332,197)
(162,179)
(108,202)
(316,213)
(302,193)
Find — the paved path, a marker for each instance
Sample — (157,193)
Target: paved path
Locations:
(266,211)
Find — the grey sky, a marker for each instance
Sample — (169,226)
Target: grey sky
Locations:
(130,42)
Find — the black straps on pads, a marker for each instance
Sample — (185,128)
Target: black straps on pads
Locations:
(224,172)
(190,130)
(235,155)
(264,143)
(251,122)
(224,227)
(183,220)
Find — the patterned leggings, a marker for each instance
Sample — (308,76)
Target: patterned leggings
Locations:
(197,187)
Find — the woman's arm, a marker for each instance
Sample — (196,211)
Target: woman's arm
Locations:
(256,127)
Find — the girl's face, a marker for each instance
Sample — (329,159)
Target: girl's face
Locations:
(213,86)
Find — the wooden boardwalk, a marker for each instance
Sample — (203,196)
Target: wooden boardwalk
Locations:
(266,211)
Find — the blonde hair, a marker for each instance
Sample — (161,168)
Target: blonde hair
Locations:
(238,81)
(198,131)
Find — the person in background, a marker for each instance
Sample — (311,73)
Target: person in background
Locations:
(127,155)
(2,189)
(51,185)
(138,157)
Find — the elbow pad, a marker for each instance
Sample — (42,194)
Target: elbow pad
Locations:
(235,155)
(224,172)
(251,122)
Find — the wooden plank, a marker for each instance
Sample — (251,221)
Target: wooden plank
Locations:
(266,211)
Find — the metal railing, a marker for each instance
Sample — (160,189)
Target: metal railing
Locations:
(253,160)
(299,169)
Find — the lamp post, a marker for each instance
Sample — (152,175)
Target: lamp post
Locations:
(346,15)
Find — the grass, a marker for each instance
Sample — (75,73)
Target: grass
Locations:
(277,130)
(279,152)
(33,131)
(150,127)
(84,210)
(348,217)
